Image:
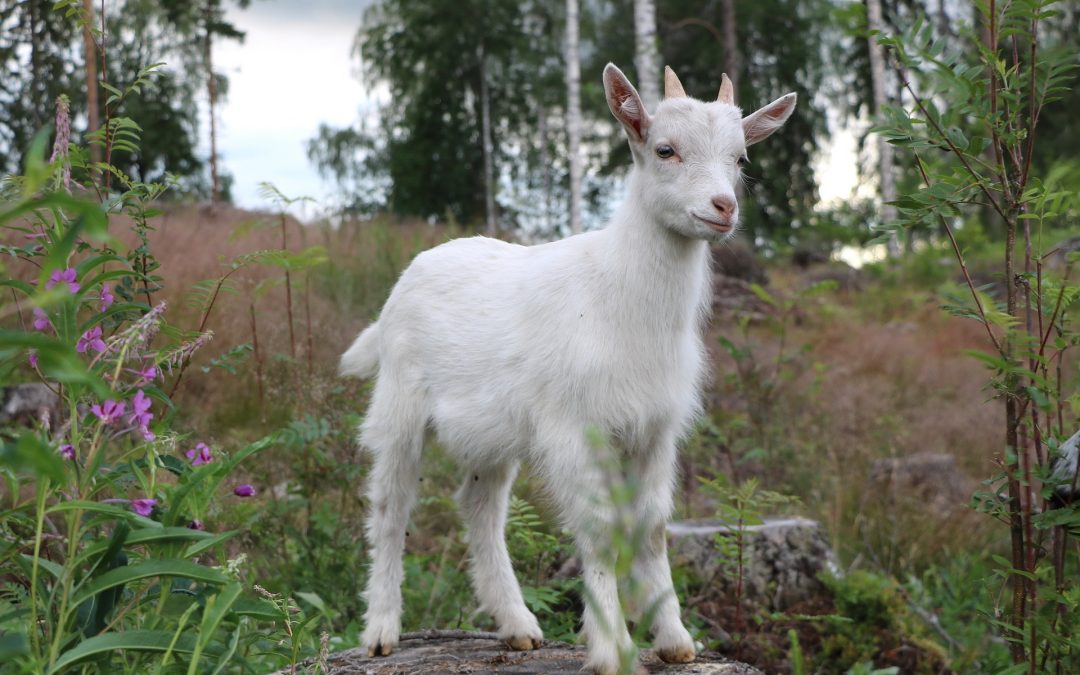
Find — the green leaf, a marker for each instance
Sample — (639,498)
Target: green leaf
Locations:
(763,295)
(196,549)
(135,640)
(110,509)
(12,646)
(148,569)
(217,607)
(314,600)
(150,536)
(258,608)
(29,453)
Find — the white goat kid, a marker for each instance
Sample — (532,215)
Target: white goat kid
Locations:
(511,353)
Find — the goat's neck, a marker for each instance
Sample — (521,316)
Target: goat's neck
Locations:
(662,275)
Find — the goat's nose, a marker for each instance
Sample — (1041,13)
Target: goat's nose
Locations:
(725,205)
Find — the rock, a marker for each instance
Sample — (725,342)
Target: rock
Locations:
(930,478)
(27,403)
(734,258)
(783,558)
(735,296)
(455,651)
(847,278)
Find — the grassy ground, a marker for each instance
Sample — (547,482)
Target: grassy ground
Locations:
(809,399)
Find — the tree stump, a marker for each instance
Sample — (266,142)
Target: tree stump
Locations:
(455,651)
(782,559)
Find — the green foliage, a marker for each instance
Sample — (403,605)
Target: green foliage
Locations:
(971,131)
(104,538)
(875,620)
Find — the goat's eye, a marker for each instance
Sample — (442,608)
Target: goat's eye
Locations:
(665,151)
(742,161)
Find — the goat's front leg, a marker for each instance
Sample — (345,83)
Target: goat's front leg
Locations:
(578,485)
(652,588)
(484,498)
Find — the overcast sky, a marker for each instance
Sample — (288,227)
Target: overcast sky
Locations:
(293,72)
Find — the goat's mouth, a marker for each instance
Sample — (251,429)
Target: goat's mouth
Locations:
(714,224)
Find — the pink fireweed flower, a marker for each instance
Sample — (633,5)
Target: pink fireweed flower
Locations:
(200,454)
(141,415)
(68,276)
(143,507)
(196,524)
(67,451)
(91,339)
(32,358)
(148,374)
(107,298)
(41,320)
(244,490)
(109,412)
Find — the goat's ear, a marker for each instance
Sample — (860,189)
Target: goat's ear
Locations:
(625,103)
(759,125)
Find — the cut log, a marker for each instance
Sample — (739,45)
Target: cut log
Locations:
(455,651)
(782,559)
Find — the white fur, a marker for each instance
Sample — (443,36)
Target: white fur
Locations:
(512,353)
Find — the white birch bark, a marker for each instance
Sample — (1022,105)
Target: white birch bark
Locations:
(886,174)
(489,163)
(573,113)
(647,54)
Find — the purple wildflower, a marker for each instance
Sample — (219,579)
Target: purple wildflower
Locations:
(200,454)
(67,451)
(68,276)
(109,412)
(141,415)
(143,507)
(148,374)
(91,339)
(244,490)
(107,298)
(41,320)
(32,358)
(196,524)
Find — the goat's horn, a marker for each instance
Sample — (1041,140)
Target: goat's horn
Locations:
(727,92)
(672,86)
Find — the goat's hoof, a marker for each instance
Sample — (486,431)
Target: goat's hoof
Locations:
(681,654)
(380,650)
(523,643)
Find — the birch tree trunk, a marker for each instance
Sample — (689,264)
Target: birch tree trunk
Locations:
(731,42)
(489,164)
(211,94)
(647,56)
(545,163)
(90,52)
(573,113)
(886,174)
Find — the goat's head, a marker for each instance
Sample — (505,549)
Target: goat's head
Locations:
(691,152)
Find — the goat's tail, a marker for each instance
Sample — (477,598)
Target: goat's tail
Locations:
(362,358)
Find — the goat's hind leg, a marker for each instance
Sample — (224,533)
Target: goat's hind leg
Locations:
(395,439)
(484,499)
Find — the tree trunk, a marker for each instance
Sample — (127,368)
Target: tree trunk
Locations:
(573,113)
(647,56)
(489,164)
(90,54)
(731,42)
(886,174)
(545,163)
(211,91)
